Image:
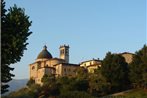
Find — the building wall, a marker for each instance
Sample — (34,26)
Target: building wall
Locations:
(69,70)
(91,62)
(33,70)
(66,70)
(41,72)
(91,65)
(92,68)
(52,62)
(128,57)
(64,53)
(58,70)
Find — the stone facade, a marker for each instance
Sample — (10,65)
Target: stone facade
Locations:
(128,57)
(64,53)
(46,64)
(91,65)
(65,69)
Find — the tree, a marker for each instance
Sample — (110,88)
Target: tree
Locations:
(34,90)
(138,68)
(30,82)
(49,87)
(75,94)
(115,70)
(48,79)
(82,73)
(98,86)
(15,32)
(80,85)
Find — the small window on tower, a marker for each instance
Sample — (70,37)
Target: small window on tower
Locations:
(62,51)
(66,52)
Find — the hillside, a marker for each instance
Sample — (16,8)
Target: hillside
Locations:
(16,84)
(135,93)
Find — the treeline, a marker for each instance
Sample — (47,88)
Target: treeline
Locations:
(113,76)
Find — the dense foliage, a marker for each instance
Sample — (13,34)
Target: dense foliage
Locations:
(14,34)
(138,68)
(30,82)
(115,70)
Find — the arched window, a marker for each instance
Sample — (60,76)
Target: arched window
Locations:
(64,69)
(33,67)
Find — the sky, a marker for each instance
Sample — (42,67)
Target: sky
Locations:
(90,27)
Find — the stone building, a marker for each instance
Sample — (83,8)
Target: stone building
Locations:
(128,56)
(47,64)
(91,65)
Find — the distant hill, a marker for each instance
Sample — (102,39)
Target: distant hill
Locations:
(16,84)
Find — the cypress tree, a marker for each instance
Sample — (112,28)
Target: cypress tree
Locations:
(14,34)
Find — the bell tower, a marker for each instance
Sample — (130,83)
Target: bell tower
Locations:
(64,53)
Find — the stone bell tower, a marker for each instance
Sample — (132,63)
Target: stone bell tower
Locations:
(64,52)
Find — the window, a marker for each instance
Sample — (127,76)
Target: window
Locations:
(39,64)
(60,51)
(66,51)
(74,70)
(64,69)
(33,67)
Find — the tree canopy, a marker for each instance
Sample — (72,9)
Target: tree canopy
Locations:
(14,35)
(115,70)
(138,68)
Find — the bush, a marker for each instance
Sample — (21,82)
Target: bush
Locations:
(75,94)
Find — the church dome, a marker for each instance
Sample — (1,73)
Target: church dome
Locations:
(44,54)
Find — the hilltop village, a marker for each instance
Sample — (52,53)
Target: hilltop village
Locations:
(45,63)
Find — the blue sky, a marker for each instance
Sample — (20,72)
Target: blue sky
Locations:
(90,27)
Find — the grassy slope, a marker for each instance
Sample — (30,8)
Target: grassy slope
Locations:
(136,93)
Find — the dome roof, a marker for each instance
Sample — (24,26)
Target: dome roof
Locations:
(44,54)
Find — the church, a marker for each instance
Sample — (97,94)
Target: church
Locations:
(47,64)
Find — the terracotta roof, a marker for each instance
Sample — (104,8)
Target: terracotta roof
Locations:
(91,60)
(68,64)
(93,65)
(48,67)
(58,59)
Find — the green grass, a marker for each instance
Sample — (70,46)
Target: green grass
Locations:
(135,93)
